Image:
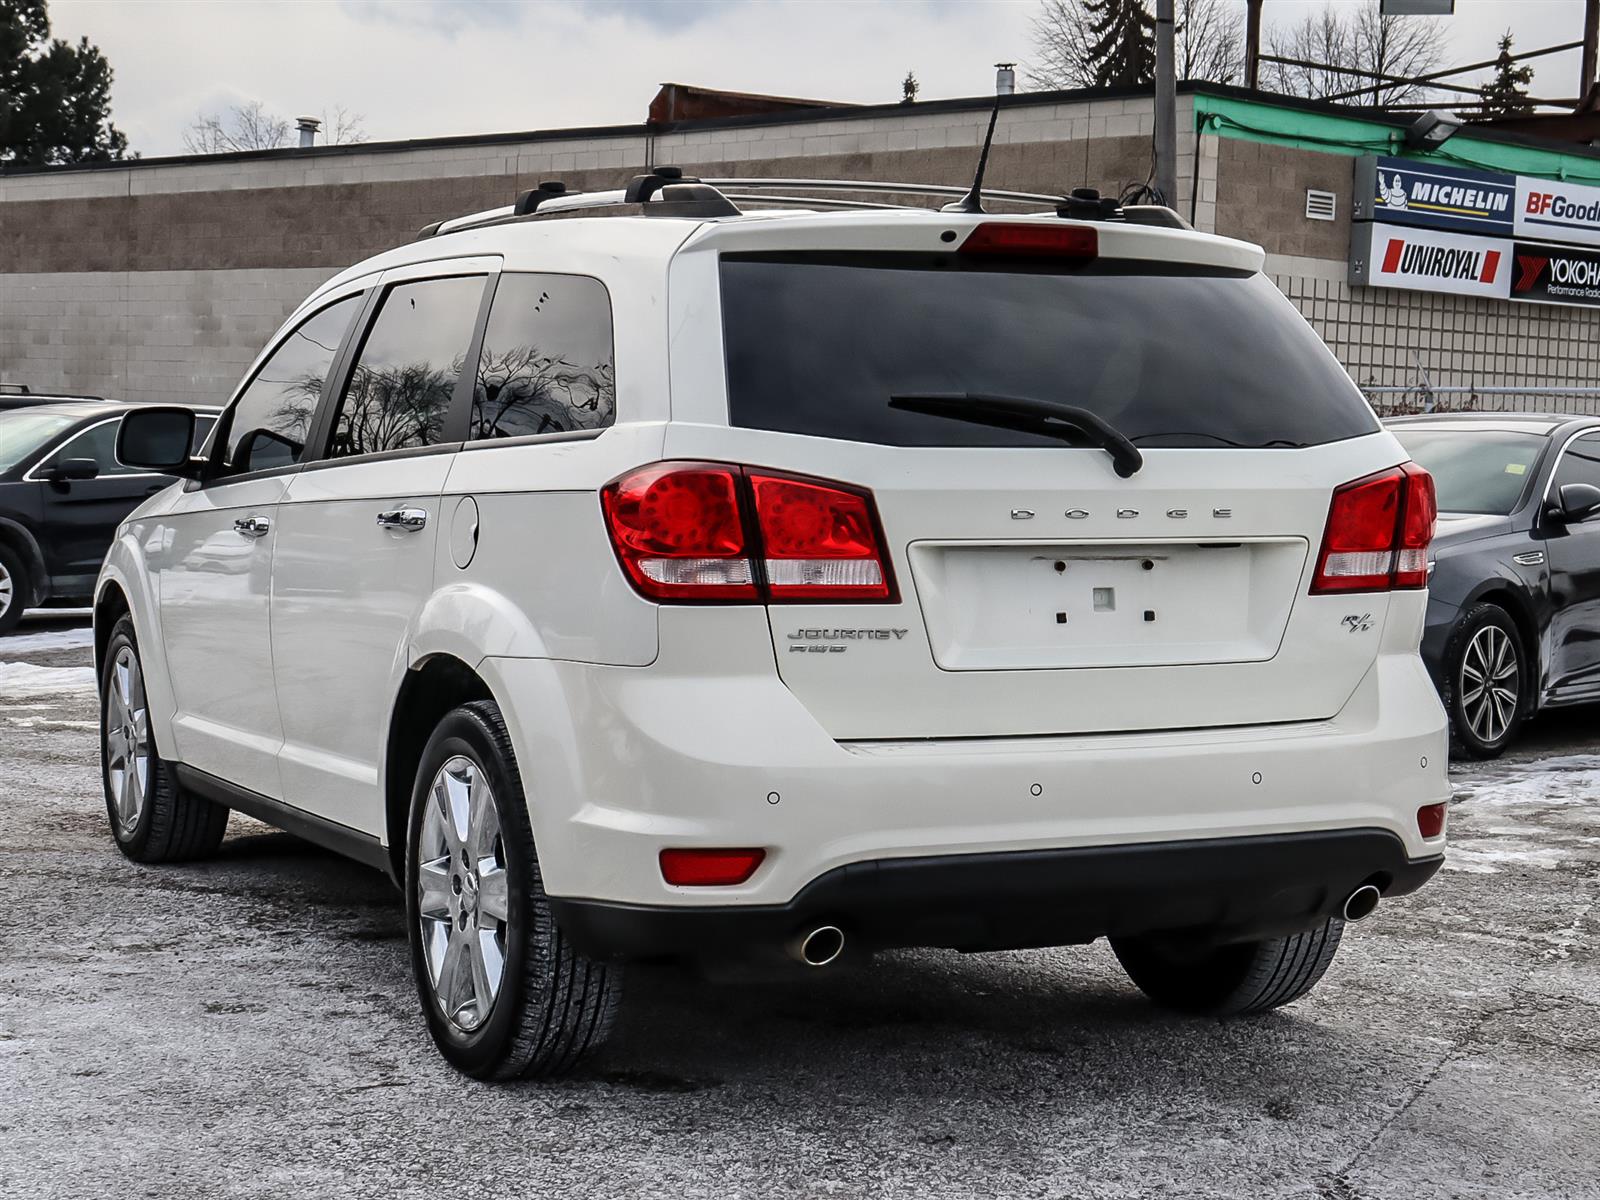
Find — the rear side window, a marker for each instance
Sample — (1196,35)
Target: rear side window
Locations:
(1169,356)
(398,397)
(546,365)
(268,425)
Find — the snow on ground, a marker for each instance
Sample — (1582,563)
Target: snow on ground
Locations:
(1489,826)
(20,680)
(49,639)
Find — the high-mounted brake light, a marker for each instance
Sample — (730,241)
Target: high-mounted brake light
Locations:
(1038,240)
(1378,532)
(709,868)
(716,532)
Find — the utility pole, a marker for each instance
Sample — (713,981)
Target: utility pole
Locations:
(1252,44)
(1591,47)
(1166,106)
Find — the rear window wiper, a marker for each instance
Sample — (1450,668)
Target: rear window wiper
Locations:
(1029,416)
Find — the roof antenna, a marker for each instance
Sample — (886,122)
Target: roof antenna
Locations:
(972,202)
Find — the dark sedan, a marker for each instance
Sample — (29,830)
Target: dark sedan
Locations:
(1513,623)
(62,496)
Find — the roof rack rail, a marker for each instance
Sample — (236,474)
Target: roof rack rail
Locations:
(666,191)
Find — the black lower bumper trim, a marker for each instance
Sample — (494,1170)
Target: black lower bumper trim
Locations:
(1233,888)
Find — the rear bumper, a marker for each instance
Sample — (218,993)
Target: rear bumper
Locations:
(1233,888)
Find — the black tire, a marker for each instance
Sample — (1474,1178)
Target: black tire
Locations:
(1231,980)
(553,1006)
(15,598)
(1477,732)
(172,825)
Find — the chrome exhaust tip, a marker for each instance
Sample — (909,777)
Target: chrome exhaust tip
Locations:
(1361,902)
(818,947)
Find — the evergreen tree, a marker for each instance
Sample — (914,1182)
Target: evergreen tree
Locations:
(1124,49)
(1506,95)
(55,98)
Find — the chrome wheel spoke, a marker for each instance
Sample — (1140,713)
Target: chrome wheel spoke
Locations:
(463,893)
(126,734)
(494,894)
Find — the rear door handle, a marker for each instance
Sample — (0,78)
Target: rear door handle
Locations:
(408,519)
(253,527)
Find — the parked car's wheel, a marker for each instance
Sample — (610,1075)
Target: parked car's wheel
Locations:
(152,818)
(15,588)
(504,992)
(1486,681)
(1229,980)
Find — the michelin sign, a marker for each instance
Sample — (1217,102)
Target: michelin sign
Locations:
(1403,191)
(1432,228)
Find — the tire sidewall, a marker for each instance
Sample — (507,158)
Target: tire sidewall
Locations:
(21,589)
(121,636)
(1477,619)
(480,1052)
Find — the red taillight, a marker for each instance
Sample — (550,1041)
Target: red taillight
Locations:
(1378,533)
(1046,241)
(679,533)
(819,540)
(711,531)
(709,868)
(1430,820)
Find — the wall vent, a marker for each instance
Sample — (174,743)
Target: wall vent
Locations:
(1321,206)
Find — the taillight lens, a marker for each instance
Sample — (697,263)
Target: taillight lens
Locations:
(819,540)
(713,531)
(1430,820)
(1378,533)
(679,533)
(1027,239)
(709,868)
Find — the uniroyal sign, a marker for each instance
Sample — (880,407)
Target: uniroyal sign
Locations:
(1426,260)
(1552,275)
(1558,212)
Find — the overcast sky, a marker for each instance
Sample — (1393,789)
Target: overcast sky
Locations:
(422,68)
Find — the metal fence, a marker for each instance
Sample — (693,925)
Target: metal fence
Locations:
(1427,398)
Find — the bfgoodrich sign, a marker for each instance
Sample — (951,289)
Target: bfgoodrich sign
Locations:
(1558,212)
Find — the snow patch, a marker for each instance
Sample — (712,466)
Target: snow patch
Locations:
(20,680)
(1491,832)
(50,639)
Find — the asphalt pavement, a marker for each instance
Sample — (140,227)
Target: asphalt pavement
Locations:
(248,1027)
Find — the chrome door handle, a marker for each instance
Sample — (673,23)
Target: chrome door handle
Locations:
(408,519)
(253,527)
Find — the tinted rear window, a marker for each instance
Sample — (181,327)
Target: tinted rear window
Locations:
(817,344)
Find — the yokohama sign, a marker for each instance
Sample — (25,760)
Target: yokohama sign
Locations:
(1423,260)
(1553,275)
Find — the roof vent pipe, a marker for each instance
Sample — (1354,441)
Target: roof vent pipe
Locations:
(1005,79)
(308,127)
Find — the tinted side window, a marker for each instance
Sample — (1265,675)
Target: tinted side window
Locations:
(269,425)
(399,394)
(546,365)
(98,442)
(1580,464)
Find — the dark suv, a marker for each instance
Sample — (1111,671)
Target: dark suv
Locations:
(62,496)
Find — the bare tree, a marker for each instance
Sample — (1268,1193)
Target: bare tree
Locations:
(1360,39)
(252,127)
(1209,36)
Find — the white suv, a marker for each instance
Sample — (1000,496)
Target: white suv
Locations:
(633,577)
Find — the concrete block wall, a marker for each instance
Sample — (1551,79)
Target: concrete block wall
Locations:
(162,281)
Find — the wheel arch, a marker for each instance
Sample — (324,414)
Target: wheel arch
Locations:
(431,687)
(19,539)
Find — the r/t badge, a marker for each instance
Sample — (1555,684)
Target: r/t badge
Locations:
(1358,624)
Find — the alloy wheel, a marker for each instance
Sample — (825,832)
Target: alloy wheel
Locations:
(1489,683)
(8,590)
(127,740)
(463,894)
